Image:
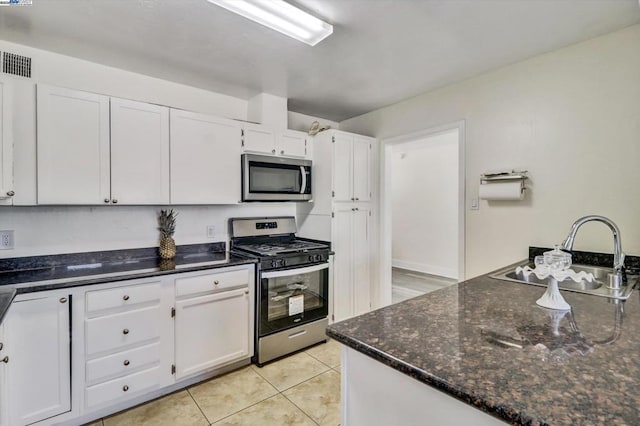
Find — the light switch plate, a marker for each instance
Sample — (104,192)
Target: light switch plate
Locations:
(211,231)
(474,204)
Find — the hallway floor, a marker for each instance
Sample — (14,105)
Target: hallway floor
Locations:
(302,389)
(407,284)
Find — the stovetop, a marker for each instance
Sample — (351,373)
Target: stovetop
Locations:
(280,247)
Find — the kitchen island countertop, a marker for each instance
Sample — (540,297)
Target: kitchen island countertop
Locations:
(486,343)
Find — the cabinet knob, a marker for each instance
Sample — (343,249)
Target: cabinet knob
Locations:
(63,300)
(126,362)
(125,331)
(246,292)
(125,297)
(353,199)
(1,346)
(125,388)
(106,200)
(357,199)
(273,151)
(11,193)
(114,201)
(282,152)
(216,282)
(5,360)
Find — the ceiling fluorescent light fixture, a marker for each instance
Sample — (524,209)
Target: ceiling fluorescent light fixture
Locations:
(282,17)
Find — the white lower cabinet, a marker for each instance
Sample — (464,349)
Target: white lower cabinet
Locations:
(127,341)
(36,351)
(123,342)
(352,262)
(213,320)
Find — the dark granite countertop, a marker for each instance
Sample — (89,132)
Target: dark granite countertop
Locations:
(41,273)
(6,297)
(487,343)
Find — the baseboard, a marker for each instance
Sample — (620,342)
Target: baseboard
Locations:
(425,268)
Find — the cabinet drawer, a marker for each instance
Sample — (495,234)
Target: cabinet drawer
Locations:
(118,297)
(111,332)
(212,282)
(123,387)
(122,362)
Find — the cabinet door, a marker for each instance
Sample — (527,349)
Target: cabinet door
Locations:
(361,249)
(292,144)
(205,159)
(342,167)
(38,370)
(361,169)
(342,264)
(72,147)
(211,331)
(258,139)
(139,153)
(6,145)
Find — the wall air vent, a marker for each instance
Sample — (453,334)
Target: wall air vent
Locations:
(16,64)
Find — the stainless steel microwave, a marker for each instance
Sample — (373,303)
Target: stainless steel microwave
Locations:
(266,178)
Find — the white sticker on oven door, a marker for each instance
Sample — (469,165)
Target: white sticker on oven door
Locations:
(296,304)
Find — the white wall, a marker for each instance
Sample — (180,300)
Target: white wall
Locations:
(424,186)
(50,230)
(570,117)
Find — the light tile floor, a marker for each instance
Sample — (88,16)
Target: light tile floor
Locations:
(302,389)
(406,284)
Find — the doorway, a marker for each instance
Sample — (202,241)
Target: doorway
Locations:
(422,212)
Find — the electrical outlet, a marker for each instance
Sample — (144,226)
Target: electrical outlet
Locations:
(6,240)
(211,231)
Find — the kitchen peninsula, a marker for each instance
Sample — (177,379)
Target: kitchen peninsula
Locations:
(484,343)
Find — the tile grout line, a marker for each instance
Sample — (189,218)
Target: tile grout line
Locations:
(198,405)
(299,408)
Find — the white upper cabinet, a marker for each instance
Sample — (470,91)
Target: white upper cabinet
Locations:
(6,145)
(139,153)
(261,139)
(361,169)
(73,157)
(352,167)
(93,149)
(205,159)
(258,139)
(292,143)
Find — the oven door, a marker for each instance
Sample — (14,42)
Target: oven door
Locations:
(275,179)
(292,297)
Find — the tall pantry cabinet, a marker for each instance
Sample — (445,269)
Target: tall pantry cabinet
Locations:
(343,210)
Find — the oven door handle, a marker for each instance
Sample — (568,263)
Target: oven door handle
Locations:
(296,271)
(303,185)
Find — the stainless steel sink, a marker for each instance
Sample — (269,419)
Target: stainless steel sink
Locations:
(599,287)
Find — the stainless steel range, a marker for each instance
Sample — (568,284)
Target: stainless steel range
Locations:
(292,295)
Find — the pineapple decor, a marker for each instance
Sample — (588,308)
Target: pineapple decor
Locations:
(167,227)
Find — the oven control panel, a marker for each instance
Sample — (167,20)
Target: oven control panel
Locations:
(298,259)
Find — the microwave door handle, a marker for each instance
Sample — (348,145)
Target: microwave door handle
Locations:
(303,185)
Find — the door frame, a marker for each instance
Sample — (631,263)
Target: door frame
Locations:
(385,241)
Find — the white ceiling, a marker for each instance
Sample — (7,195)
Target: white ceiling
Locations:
(381,51)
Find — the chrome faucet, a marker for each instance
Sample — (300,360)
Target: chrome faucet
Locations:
(618,255)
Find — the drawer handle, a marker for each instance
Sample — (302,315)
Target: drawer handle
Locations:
(125,331)
(5,360)
(125,388)
(216,282)
(125,297)
(1,346)
(126,362)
